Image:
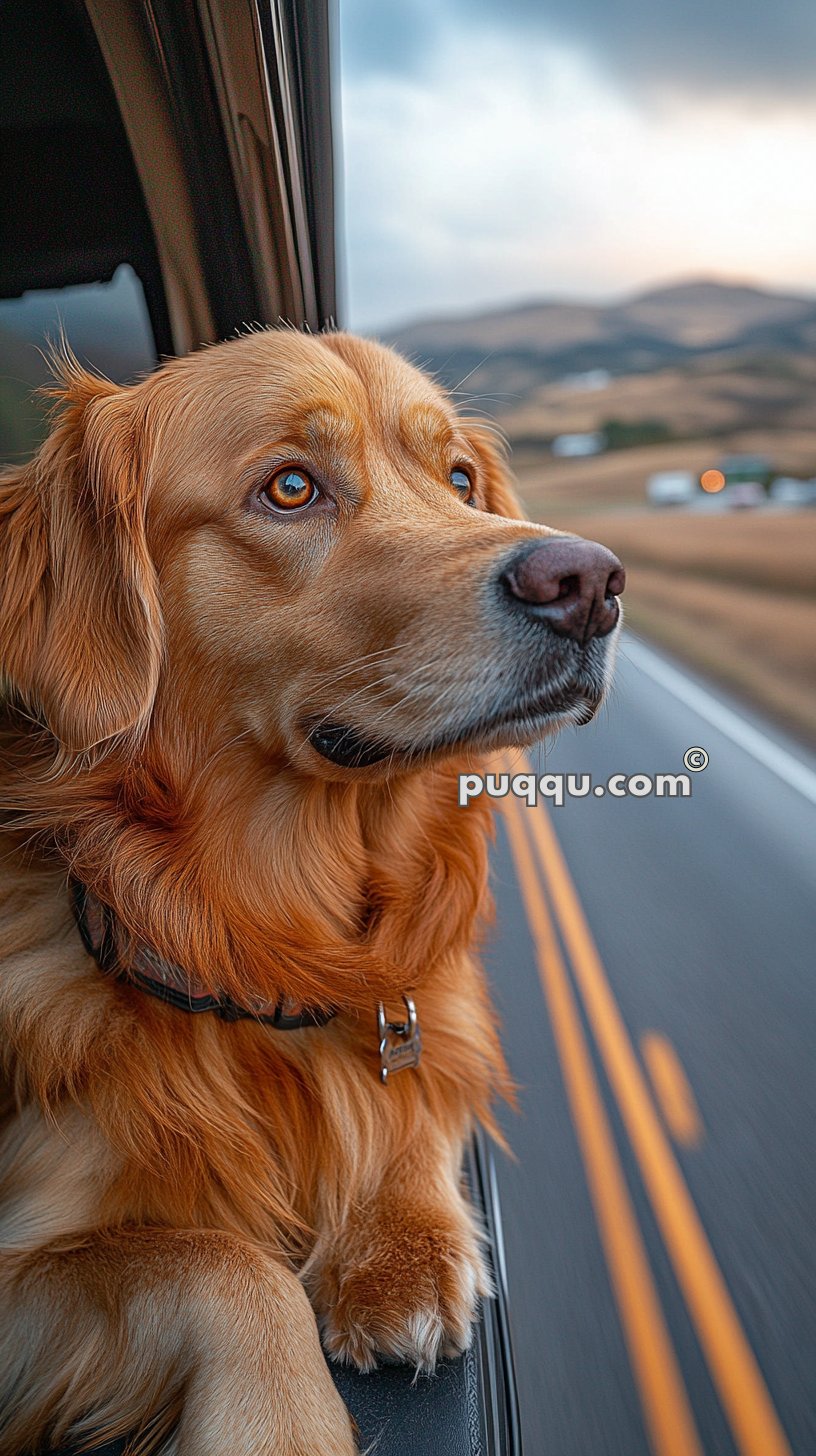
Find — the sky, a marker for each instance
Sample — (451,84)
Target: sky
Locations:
(499,150)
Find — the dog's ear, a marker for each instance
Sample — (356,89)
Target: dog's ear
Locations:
(497,483)
(80,624)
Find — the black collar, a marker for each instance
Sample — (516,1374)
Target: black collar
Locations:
(104,939)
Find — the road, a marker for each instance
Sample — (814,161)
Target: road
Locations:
(654,965)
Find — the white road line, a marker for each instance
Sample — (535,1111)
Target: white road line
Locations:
(786,767)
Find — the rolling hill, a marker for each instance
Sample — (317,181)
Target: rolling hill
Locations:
(513,351)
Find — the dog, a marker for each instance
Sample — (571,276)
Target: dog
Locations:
(257,611)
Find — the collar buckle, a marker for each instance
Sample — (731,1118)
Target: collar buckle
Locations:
(400,1042)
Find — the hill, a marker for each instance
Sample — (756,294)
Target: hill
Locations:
(513,351)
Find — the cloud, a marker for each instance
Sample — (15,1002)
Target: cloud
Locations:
(703,47)
(500,170)
(378,38)
(733,48)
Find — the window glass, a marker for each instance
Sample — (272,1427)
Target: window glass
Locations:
(107,326)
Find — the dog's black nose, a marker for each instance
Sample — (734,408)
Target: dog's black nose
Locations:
(571,584)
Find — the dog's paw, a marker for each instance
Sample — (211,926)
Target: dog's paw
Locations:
(406,1290)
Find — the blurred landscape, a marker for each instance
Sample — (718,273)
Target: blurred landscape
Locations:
(672,380)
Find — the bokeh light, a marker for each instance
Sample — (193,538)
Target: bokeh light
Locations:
(712,481)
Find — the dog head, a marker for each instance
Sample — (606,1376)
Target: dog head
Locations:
(297,541)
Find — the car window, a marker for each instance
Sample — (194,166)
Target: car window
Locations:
(76,245)
(109,329)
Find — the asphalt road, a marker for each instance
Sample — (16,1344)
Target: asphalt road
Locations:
(654,962)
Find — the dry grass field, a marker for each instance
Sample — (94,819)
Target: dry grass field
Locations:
(762,551)
(712,397)
(735,594)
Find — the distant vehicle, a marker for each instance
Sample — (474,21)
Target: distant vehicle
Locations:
(747,470)
(786,490)
(567,446)
(743,495)
(671,487)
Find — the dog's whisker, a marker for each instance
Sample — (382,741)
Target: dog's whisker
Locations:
(452,695)
(472,371)
(329,679)
(403,701)
(377,682)
(375,689)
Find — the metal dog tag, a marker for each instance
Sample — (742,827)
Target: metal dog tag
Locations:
(400,1041)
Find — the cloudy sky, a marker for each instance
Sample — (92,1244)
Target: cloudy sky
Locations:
(496,150)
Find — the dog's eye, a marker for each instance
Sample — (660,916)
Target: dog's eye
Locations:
(462,483)
(290,490)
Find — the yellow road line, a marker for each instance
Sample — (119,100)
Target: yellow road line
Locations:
(672,1089)
(667,1413)
(754,1421)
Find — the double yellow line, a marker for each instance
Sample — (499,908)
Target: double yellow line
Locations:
(545,881)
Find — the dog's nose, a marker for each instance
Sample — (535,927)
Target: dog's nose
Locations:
(571,584)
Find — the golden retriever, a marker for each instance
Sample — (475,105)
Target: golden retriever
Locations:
(256,613)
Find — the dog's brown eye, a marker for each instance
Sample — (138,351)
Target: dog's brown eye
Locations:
(462,483)
(290,490)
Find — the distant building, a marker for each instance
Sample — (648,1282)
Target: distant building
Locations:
(671,487)
(787,490)
(591,443)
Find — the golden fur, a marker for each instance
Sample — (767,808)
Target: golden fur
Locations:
(172,1187)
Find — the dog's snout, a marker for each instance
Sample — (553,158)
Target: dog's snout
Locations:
(571,584)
